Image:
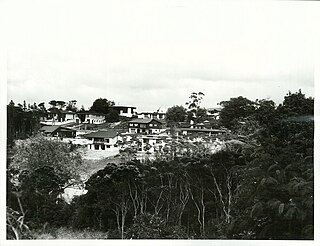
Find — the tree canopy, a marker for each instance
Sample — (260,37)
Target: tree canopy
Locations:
(176,114)
(101,105)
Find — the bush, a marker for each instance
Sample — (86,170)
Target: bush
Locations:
(151,226)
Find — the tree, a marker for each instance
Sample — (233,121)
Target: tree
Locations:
(45,168)
(81,114)
(53,103)
(275,195)
(297,104)
(112,116)
(235,110)
(195,112)
(42,107)
(21,123)
(61,104)
(175,115)
(101,105)
(71,106)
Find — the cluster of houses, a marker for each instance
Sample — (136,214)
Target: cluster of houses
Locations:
(148,129)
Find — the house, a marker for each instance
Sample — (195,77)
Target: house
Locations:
(146,126)
(214,112)
(150,143)
(209,132)
(103,139)
(152,115)
(91,117)
(60,118)
(126,111)
(58,131)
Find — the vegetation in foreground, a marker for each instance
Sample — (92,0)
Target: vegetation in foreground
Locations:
(259,187)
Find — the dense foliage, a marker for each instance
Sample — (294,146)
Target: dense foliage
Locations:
(39,172)
(175,115)
(186,195)
(21,122)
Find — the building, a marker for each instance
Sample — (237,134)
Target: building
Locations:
(126,111)
(204,131)
(152,115)
(150,143)
(145,126)
(103,139)
(58,131)
(92,117)
(60,118)
(214,112)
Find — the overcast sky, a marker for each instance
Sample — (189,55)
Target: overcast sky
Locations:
(153,54)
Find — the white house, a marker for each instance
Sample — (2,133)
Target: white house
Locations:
(61,118)
(214,112)
(160,115)
(93,118)
(105,140)
(127,111)
(145,126)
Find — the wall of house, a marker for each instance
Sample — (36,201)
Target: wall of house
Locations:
(158,116)
(129,112)
(95,119)
(103,144)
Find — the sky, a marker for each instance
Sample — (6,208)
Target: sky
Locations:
(154,54)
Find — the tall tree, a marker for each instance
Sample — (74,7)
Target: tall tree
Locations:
(175,115)
(235,110)
(194,111)
(44,169)
(101,105)
(71,106)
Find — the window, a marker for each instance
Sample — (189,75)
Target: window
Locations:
(135,124)
(108,146)
(107,140)
(96,146)
(130,124)
(151,125)
(103,147)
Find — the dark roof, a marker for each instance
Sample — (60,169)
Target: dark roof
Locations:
(120,106)
(111,133)
(152,113)
(50,129)
(145,121)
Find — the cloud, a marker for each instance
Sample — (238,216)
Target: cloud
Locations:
(152,54)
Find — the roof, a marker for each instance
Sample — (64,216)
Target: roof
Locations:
(111,133)
(121,106)
(144,121)
(200,130)
(152,113)
(218,109)
(50,129)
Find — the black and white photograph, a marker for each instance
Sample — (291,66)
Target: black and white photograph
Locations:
(159,120)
